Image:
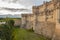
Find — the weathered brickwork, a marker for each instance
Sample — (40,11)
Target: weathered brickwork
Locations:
(45,28)
(27,21)
(45,19)
(24,21)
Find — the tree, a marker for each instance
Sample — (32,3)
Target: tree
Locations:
(6,32)
(10,22)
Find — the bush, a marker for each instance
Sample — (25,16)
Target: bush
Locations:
(10,22)
(6,32)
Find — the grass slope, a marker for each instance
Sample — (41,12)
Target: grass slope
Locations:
(21,34)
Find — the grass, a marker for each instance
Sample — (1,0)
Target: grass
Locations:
(21,34)
(5,19)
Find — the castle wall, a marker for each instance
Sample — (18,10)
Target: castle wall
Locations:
(27,21)
(28,24)
(45,29)
(23,21)
(57,30)
(44,20)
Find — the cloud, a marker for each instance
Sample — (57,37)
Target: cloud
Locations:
(19,11)
(24,2)
(12,8)
(15,10)
(27,3)
(22,5)
(11,5)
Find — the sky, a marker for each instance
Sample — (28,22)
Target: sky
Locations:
(26,5)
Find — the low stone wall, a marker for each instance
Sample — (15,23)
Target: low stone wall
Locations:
(45,28)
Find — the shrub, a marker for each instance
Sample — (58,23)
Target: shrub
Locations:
(10,22)
(6,32)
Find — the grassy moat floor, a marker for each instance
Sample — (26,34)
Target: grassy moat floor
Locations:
(22,34)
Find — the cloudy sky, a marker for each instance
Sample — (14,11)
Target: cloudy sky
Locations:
(18,6)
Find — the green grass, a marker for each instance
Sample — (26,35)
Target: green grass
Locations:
(5,19)
(21,34)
